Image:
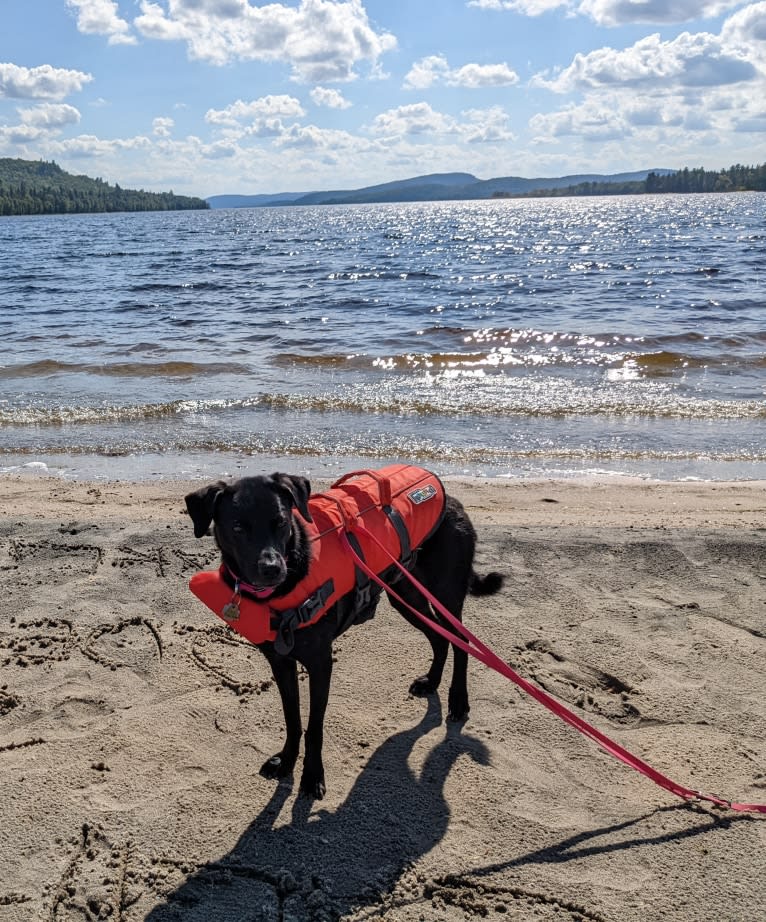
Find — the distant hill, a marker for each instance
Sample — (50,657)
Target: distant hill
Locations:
(253,201)
(514,185)
(39,187)
(430,188)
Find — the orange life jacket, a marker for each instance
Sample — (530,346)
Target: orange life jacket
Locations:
(401,505)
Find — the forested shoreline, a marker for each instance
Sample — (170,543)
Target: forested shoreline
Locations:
(736,178)
(40,187)
(30,187)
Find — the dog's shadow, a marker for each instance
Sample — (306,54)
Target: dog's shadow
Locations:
(323,863)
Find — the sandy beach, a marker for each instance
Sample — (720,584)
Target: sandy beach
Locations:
(133,724)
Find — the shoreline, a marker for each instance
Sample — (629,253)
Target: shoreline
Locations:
(132,725)
(588,501)
(196,466)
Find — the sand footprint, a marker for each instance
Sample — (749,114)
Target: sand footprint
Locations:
(580,684)
(215,890)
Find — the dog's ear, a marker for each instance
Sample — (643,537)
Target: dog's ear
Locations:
(200,506)
(299,489)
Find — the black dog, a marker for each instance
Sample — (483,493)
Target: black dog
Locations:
(265,544)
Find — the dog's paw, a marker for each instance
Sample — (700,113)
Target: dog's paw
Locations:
(458,716)
(423,686)
(457,707)
(313,785)
(277,766)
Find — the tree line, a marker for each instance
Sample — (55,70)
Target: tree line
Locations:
(30,187)
(736,178)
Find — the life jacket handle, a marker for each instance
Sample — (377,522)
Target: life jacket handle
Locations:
(384,484)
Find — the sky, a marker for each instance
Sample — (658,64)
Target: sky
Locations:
(208,97)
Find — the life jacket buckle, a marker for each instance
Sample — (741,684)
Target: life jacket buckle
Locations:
(362,596)
(314,603)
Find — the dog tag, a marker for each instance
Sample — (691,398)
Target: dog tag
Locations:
(230,611)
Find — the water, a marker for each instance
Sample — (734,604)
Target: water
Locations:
(539,338)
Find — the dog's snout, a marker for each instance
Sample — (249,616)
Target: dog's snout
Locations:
(271,565)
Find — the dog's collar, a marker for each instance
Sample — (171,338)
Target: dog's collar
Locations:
(259,592)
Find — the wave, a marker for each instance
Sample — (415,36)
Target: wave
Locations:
(176,286)
(404,275)
(561,402)
(171,369)
(593,352)
(417,451)
(607,338)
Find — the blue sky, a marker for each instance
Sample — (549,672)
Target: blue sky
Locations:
(215,96)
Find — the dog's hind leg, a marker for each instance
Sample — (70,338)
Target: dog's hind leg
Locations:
(285,673)
(428,683)
(424,685)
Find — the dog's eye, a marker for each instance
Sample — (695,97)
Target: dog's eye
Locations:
(238,528)
(281,521)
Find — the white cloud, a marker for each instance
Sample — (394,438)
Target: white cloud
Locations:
(687,94)
(476,76)
(593,121)
(486,125)
(754,124)
(436,69)
(13,136)
(426,72)
(50,116)
(85,146)
(309,136)
(153,23)
(528,7)
(321,96)
(618,12)
(330,141)
(600,120)
(44,82)
(745,32)
(101,17)
(322,40)
(161,126)
(418,118)
(697,60)
(265,107)
(263,117)
(656,113)
(221,150)
(625,12)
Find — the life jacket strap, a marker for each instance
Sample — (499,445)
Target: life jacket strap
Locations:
(363,582)
(406,557)
(287,622)
(361,607)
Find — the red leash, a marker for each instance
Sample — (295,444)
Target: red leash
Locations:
(470,644)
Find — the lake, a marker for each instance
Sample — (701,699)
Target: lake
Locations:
(534,338)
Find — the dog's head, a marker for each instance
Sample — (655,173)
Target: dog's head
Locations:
(261,540)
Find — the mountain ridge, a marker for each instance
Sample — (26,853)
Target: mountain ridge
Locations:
(429,187)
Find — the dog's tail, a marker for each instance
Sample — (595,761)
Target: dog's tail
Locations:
(485,585)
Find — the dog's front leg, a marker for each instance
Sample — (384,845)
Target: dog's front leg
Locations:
(285,673)
(320,671)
